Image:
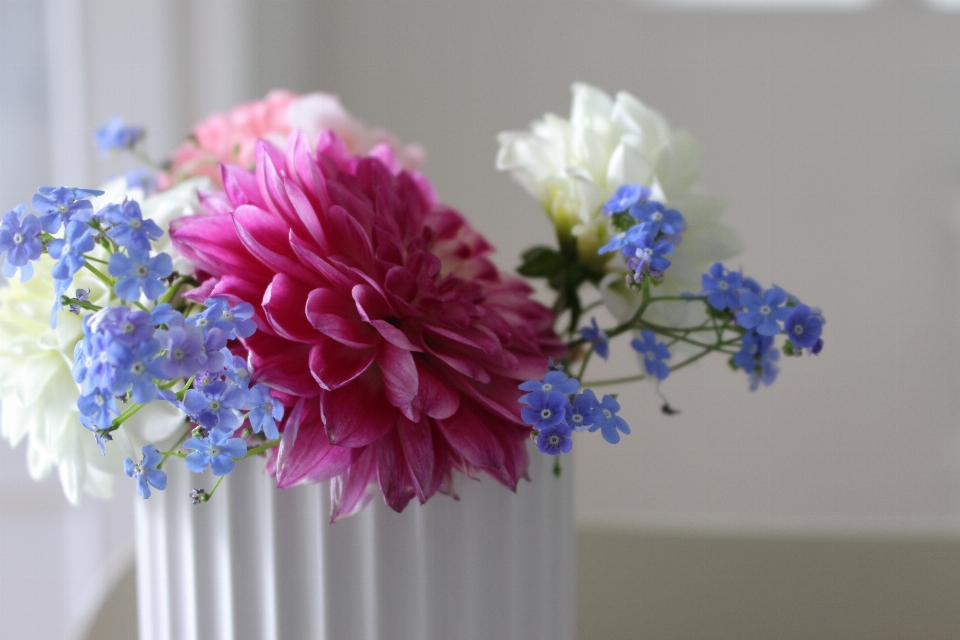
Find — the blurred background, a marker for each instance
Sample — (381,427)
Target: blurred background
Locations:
(825,506)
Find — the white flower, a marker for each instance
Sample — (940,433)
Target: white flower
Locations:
(37,387)
(574,166)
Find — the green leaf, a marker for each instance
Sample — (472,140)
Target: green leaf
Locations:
(540,262)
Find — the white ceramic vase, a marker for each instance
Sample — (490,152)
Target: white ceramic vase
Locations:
(263,563)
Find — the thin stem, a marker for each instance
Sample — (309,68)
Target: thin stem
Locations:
(216,484)
(690,360)
(106,279)
(175,453)
(583,367)
(263,447)
(174,288)
(128,413)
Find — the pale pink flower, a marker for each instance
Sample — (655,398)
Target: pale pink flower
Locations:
(385,329)
(232,137)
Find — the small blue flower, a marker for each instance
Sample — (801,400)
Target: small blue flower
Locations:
(19,233)
(722,287)
(185,351)
(102,436)
(544,409)
(553,381)
(218,450)
(116,135)
(605,418)
(555,439)
(647,253)
(128,326)
(165,314)
(764,314)
(129,228)
(146,471)
(215,405)
(654,353)
(138,368)
(598,337)
(77,241)
(804,327)
(99,407)
(757,356)
(235,321)
(658,218)
(139,272)
(60,205)
(579,411)
(265,413)
(625,197)
(236,370)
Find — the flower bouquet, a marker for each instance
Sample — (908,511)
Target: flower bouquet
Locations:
(290,288)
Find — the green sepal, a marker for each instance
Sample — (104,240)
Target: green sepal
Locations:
(540,262)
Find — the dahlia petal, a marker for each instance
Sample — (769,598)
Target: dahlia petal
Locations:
(469,436)
(343,236)
(336,316)
(351,491)
(240,186)
(269,180)
(305,453)
(393,335)
(212,244)
(462,365)
(400,378)
(370,303)
(266,238)
(392,474)
(416,440)
(436,398)
(282,364)
(334,365)
(516,459)
(309,258)
(469,337)
(358,413)
(284,304)
(305,211)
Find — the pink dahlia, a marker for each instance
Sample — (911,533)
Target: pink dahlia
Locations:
(385,329)
(232,137)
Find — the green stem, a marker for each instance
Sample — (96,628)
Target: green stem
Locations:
(583,367)
(106,279)
(128,413)
(216,484)
(263,447)
(690,360)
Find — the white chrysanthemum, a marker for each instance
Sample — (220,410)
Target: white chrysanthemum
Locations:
(574,166)
(37,387)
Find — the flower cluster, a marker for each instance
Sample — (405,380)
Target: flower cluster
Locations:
(325,299)
(651,232)
(556,410)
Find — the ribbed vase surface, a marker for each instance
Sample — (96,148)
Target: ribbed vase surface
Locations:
(262,563)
